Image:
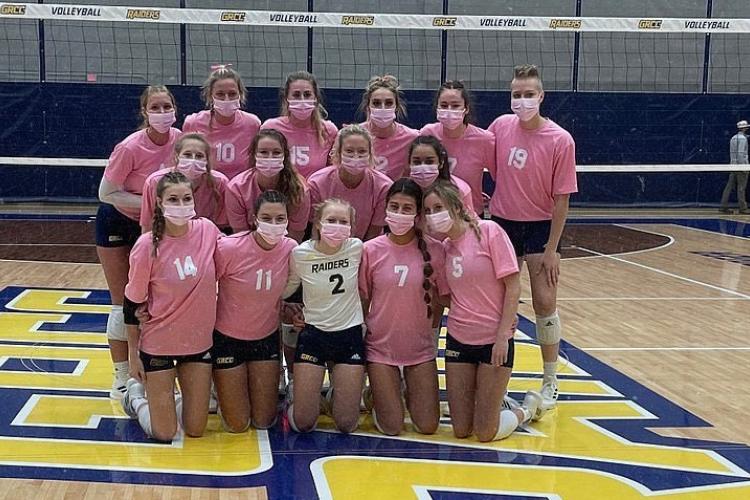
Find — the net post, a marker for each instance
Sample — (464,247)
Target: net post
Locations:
(444,47)
(42,62)
(707,47)
(310,8)
(183,49)
(576,48)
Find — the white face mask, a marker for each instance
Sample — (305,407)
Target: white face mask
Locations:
(161,122)
(302,109)
(271,233)
(179,215)
(382,117)
(525,108)
(191,168)
(439,222)
(226,108)
(451,118)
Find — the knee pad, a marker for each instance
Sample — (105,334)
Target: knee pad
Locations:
(116,325)
(548,329)
(507,424)
(289,336)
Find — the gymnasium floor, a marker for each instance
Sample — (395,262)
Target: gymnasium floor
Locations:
(654,392)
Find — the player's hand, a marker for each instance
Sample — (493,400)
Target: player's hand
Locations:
(500,352)
(141,313)
(288,311)
(299,319)
(550,267)
(136,370)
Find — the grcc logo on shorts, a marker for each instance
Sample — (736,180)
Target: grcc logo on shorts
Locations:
(233,17)
(143,14)
(444,21)
(574,24)
(12,10)
(649,24)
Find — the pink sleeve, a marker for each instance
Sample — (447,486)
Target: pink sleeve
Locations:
(437,261)
(378,215)
(235,208)
(315,196)
(501,250)
(490,160)
(365,279)
(301,216)
(139,274)
(148,203)
(222,256)
(220,215)
(491,129)
(121,163)
(331,139)
(468,201)
(564,168)
(190,122)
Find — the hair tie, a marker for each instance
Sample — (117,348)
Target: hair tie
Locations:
(214,67)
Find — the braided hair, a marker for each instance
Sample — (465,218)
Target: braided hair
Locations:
(158,223)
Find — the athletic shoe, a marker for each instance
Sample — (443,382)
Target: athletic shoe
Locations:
(118,389)
(282,382)
(533,403)
(549,393)
(289,396)
(367,401)
(213,401)
(133,390)
(326,403)
(509,403)
(725,211)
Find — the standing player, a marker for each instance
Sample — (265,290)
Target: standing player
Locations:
(172,273)
(737,156)
(193,160)
(327,266)
(399,282)
(270,168)
(229,130)
(482,274)
(382,103)
(353,179)
(303,123)
(470,148)
(536,173)
(253,270)
(132,161)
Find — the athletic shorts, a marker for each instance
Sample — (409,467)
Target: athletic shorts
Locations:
(456,352)
(318,347)
(157,363)
(113,229)
(229,352)
(527,237)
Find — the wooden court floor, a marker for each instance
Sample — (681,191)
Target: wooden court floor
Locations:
(654,391)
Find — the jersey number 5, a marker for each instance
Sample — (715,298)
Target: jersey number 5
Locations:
(338,281)
(458,267)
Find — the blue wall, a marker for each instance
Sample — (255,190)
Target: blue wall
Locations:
(86,121)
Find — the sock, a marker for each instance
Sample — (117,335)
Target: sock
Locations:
(507,424)
(550,371)
(140,405)
(526,414)
(121,372)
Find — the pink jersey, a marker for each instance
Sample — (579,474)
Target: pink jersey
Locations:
(308,154)
(368,198)
(469,155)
(251,281)
(532,167)
(473,269)
(392,153)
(230,143)
(465,191)
(179,288)
(134,159)
(390,277)
(242,192)
(209,203)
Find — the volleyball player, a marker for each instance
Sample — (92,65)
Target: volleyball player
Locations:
(352,178)
(229,130)
(429,163)
(383,103)
(535,175)
(483,278)
(470,148)
(270,168)
(253,270)
(172,274)
(193,160)
(132,161)
(399,282)
(303,122)
(327,266)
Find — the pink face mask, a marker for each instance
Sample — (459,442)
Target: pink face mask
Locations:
(382,117)
(450,118)
(191,168)
(302,109)
(525,108)
(334,234)
(161,121)
(268,167)
(424,175)
(271,233)
(179,215)
(440,222)
(399,224)
(354,166)
(226,108)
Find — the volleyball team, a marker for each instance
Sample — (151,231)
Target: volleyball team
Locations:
(233,243)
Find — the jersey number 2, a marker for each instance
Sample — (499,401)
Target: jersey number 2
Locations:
(339,283)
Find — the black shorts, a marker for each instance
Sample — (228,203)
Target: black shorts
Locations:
(113,229)
(318,347)
(527,237)
(456,352)
(230,352)
(157,363)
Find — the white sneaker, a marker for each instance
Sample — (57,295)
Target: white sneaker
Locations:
(549,394)
(533,403)
(119,386)
(367,401)
(133,390)
(509,403)
(213,401)
(289,396)
(282,382)
(326,403)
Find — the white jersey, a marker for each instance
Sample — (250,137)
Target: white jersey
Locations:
(330,287)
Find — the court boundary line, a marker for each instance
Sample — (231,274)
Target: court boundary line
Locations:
(743,238)
(715,348)
(670,241)
(594,299)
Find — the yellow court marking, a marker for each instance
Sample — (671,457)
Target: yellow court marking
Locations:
(573,387)
(83,412)
(54,301)
(95,375)
(25,327)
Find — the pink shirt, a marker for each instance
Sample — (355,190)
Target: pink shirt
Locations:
(308,154)
(390,277)
(251,282)
(230,143)
(392,153)
(465,191)
(469,155)
(179,288)
(473,269)
(242,192)
(208,203)
(134,159)
(368,198)
(532,167)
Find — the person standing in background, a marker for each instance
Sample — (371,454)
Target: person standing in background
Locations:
(737,156)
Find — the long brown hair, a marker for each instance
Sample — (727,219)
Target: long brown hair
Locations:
(146,94)
(444,171)
(158,223)
(465,95)
(194,136)
(319,114)
(291,184)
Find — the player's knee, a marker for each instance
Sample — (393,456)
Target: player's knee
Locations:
(425,426)
(300,423)
(347,424)
(264,422)
(387,426)
(195,430)
(507,423)
(116,324)
(462,431)
(235,425)
(548,329)
(164,435)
